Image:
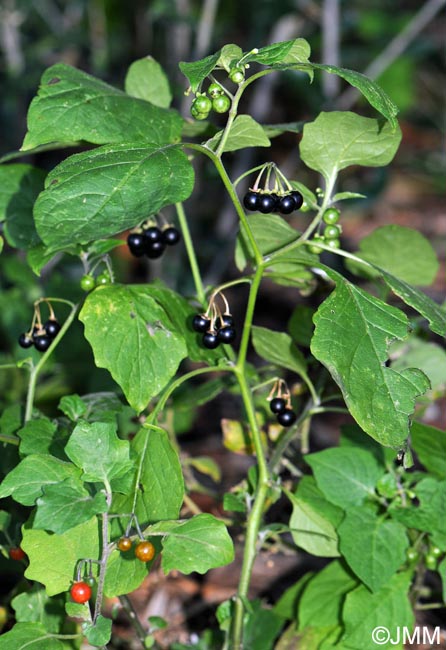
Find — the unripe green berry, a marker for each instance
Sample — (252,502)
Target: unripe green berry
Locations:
(237,75)
(87,282)
(202,104)
(332,232)
(215,90)
(333,243)
(221,104)
(331,216)
(314,248)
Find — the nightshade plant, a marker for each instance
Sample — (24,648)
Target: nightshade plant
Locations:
(84,486)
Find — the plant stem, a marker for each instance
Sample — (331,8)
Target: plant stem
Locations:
(104,555)
(34,373)
(130,611)
(10,440)
(199,289)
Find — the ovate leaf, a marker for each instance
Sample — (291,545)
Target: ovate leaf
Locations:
(311,530)
(339,139)
(244,132)
(199,544)
(72,105)
(133,337)
(146,80)
(429,444)
(197,71)
(29,635)
(98,633)
(373,548)
(352,336)
(123,575)
(95,194)
(290,53)
(278,348)
(34,606)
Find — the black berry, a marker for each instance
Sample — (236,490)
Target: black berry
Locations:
(267,203)
(52,327)
(200,323)
(155,249)
(42,342)
(226,334)
(25,341)
(277,405)
(298,199)
(287,204)
(136,243)
(286,418)
(251,200)
(152,234)
(226,319)
(210,340)
(171,236)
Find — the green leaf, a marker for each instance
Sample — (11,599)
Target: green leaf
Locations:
(5,520)
(300,325)
(428,357)
(337,140)
(373,548)
(34,606)
(401,251)
(287,605)
(352,336)
(41,437)
(311,530)
(27,480)
(430,514)
(342,196)
(38,256)
(372,91)
(261,627)
(11,419)
(278,348)
(420,301)
(294,52)
(133,337)
(244,132)
(72,105)
(146,80)
(95,194)
(198,544)
(229,55)
(345,476)
(429,443)
(197,71)
(273,130)
(29,636)
(19,187)
(98,633)
(53,557)
(68,504)
(73,407)
(98,451)
(78,610)
(387,608)
(323,597)
(160,489)
(124,574)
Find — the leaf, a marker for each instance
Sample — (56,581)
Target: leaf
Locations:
(388,608)
(98,633)
(29,635)
(323,597)
(278,348)
(160,489)
(198,544)
(401,251)
(338,139)
(229,55)
(428,357)
(292,52)
(11,419)
(429,443)
(420,301)
(274,130)
(132,337)
(72,105)
(372,91)
(352,336)
(346,476)
(287,605)
(146,80)
(95,194)
(373,548)
(300,325)
(124,574)
(245,132)
(41,437)
(236,437)
(311,530)
(261,627)
(27,480)
(53,557)
(19,187)
(68,504)
(34,606)
(342,196)
(97,450)
(73,407)
(206,466)
(197,71)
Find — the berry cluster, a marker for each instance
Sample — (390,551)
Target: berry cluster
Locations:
(89,282)
(281,404)
(331,234)
(216,327)
(144,551)
(215,100)
(40,335)
(267,202)
(150,240)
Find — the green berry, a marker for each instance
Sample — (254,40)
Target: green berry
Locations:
(431,561)
(332,232)
(313,248)
(237,75)
(331,216)
(412,555)
(221,104)
(333,243)
(103,279)
(435,551)
(215,90)
(87,283)
(202,104)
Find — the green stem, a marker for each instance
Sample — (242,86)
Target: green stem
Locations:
(255,285)
(11,440)
(133,616)
(199,289)
(104,555)
(34,373)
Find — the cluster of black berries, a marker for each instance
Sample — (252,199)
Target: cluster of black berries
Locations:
(220,331)
(41,336)
(267,202)
(152,240)
(285,416)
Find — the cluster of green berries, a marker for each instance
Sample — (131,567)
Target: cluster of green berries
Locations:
(89,281)
(215,100)
(40,335)
(151,240)
(267,202)
(331,234)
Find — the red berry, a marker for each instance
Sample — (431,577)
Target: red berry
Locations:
(80,592)
(17,553)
